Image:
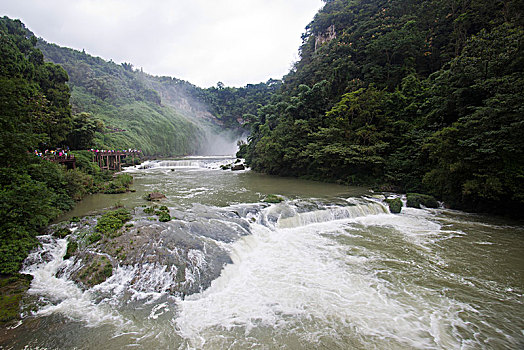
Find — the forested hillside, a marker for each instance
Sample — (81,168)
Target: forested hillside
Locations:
(132,113)
(411,95)
(159,115)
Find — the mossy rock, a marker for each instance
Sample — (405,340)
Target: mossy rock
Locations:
(273,198)
(164,217)
(150,210)
(395,205)
(62,232)
(96,272)
(12,289)
(115,190)
(93,237)
(72,247)
(155,196)
(416,200)
(112,221)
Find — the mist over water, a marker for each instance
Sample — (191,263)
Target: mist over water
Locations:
(328,268)
(219,144)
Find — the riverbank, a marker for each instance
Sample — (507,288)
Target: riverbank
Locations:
(38,193)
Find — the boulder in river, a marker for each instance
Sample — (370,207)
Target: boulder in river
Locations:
(395,205)
(416,200)
(155,196)
(238,167)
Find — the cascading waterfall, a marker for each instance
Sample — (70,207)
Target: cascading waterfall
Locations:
(171,164)
(332,214)
(59,294)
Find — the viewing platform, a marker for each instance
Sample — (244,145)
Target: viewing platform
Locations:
(68,160)
(112,159)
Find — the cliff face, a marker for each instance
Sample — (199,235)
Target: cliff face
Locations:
(325,37)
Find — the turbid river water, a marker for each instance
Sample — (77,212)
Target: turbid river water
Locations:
(328,268)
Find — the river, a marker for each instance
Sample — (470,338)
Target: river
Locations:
(328,268)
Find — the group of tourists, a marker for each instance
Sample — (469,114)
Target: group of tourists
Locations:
(115,151)
(55,153)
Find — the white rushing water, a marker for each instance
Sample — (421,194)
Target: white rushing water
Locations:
(307,273)
(299,283)
(59,295)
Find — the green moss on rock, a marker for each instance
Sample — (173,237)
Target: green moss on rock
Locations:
(94,237)
(72,247)
(273,198)
(12,289)
(164,217)
(150,210)
(109,223)
(395,205)
(96,272)
(62,232)
(416,200)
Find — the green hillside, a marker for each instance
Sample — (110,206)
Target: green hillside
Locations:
(133,114)
(407,95)
(159,115)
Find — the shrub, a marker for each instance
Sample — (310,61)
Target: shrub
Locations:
(77,184)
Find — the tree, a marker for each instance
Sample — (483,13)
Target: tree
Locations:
(83,133)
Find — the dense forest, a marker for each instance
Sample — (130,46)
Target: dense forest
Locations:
(406,95)
(34,113)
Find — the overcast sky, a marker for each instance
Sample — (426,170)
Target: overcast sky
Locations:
(201,41)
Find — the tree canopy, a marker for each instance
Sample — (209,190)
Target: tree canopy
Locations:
(408,95)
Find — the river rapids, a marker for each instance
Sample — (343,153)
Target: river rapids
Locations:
(328,268)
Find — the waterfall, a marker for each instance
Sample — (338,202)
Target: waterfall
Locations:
(331,214)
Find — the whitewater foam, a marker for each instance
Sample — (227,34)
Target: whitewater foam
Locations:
(297,280)
(59,294)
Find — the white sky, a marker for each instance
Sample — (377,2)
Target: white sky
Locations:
(201,41)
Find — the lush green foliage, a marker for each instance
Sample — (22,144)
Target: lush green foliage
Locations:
(238,105)
(34,112)
(421,96)
(12,288)
(126,112)
(120,184)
